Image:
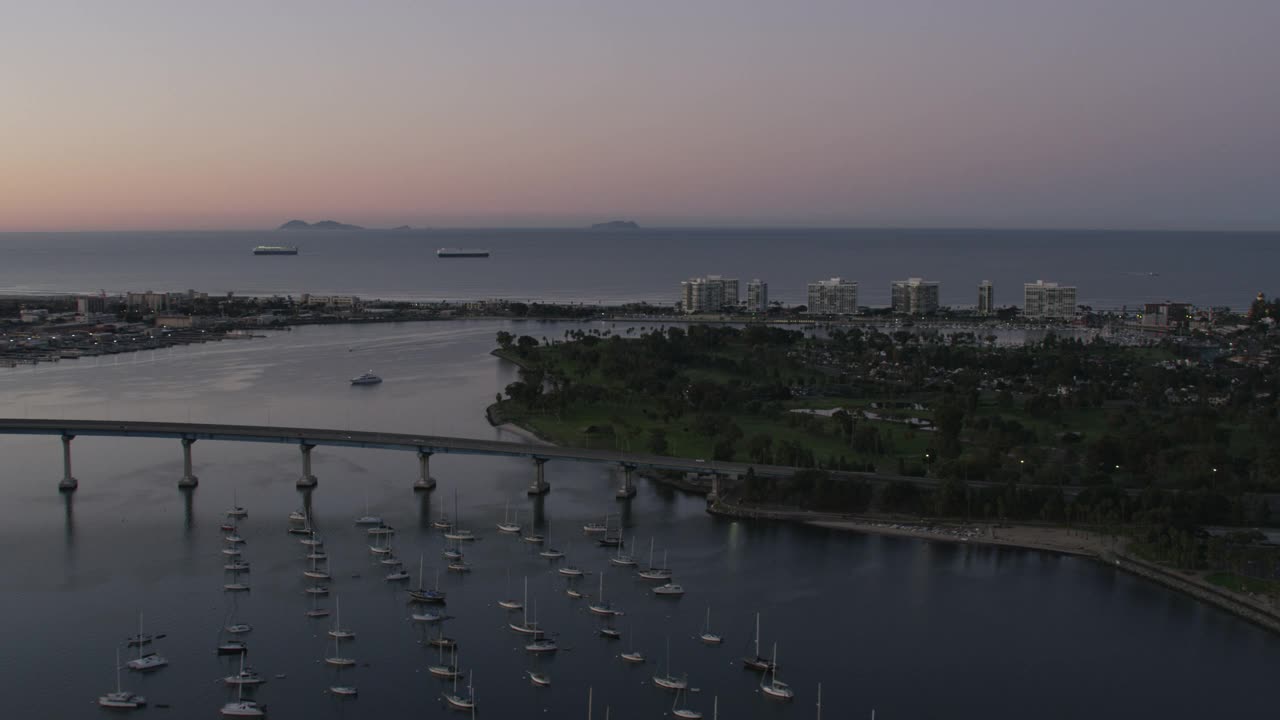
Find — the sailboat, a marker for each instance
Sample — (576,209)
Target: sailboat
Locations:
(121,699)
(510,604)
(316,611)
(509,526)
(633,655)
(443,670)
(368,518)
(624,560)
(593,528)
(380,529)
(600,606)
(525,627)
(669,681)
(337,631)
(236,511)
(775,687)
(756,661)
(297,516)
(242,707)
(302,517)
(315,572)
(455,532)
(381,545)
(246,676)
(146,662)
(707,636)
(312,539)
(462,702)
(656,573)
(397,575)
(337,660)
(683,712)
(441,522)
(424,595)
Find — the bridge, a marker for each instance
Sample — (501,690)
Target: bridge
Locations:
(425,446)
(309,438)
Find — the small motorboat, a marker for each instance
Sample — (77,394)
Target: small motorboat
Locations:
(669,590)
(542,645)
(239,629)
(233,647)
(344,690)
(540,679)
(611,632)
(366,379)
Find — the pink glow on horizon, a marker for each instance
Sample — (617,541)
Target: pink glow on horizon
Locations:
(999,113)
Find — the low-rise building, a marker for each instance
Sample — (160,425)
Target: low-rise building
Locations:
(1167,315)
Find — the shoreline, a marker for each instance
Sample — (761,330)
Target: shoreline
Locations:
(1100,548)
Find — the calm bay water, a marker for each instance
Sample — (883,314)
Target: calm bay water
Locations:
(1111,269)
(910,628)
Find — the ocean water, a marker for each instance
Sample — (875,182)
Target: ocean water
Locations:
(1111,269)
(909,628)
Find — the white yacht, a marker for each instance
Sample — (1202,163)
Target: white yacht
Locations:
(508,525)
(242,707)
(669,589)
(337,660)
(337,631)
(462,702)
(366,379)
(707,636)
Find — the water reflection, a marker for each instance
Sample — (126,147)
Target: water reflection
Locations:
(188,513)
(424,511)
(69,519)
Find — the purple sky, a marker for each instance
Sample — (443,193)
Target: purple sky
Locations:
(976,113)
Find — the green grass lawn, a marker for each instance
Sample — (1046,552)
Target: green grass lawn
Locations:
(1239,583)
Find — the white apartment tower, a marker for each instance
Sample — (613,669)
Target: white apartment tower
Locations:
(708,294)
(915,296)
(757,296)
(833,297)
(1042,299)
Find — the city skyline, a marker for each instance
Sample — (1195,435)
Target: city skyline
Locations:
(1153,114)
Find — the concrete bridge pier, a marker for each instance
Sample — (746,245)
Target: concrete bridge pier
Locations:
(189,479)
(307,480)
(539,486)
(68,482)
(424,481)
(627,489)
(714,495)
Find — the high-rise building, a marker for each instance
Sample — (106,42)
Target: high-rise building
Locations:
(758,296)
(915,296)
(986,298)
(1042,299)
(833,297)
(708,294)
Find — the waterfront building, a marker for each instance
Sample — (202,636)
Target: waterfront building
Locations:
(915,296)
(708,294)
(350,302)
(149,301)
(90,304)
(1048,300)
(758,296)
(833,297)
(1166,315)
(986,298)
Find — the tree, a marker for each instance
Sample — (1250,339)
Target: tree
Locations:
(505,339)
(525,344)
(657,441)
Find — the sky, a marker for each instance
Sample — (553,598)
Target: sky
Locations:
(1159,114)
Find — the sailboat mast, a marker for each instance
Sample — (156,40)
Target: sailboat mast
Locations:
(589,702)
(117,669)
(757,635)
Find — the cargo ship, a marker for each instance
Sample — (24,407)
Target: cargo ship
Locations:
(461,252)
(275,250)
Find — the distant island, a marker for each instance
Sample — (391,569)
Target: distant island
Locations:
(322,225)
(617,225)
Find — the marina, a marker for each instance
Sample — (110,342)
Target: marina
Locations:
(172,548)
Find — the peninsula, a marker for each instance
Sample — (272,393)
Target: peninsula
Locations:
(617,225)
